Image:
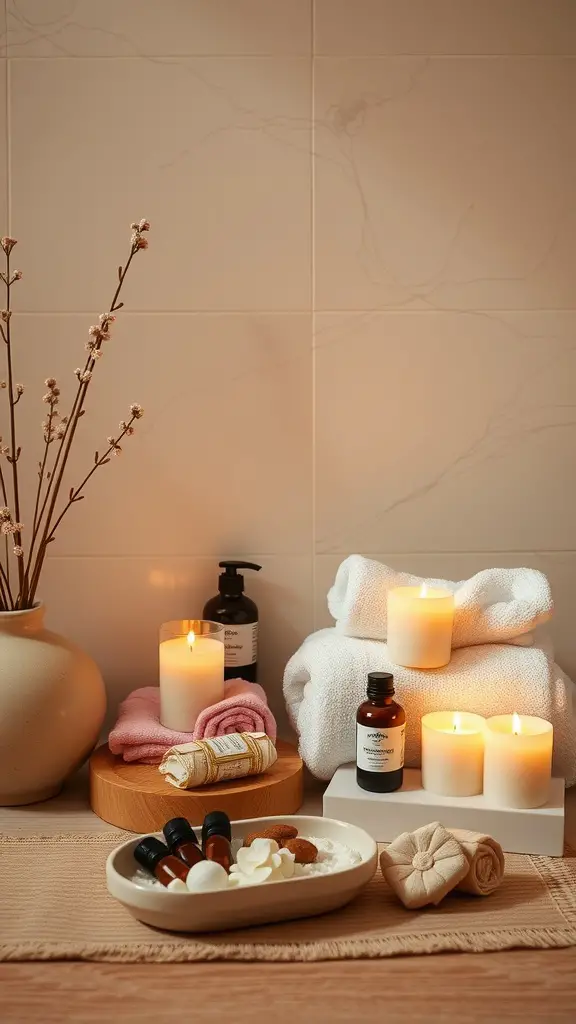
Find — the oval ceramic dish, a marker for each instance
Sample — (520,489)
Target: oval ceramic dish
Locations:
(247,905)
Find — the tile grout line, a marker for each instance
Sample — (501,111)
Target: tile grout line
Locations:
(202,556)
(8,128)
(313,293)
(395,55)
(389,311)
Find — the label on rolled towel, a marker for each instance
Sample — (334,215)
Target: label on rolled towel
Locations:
(241,645)
(380,750)
(230,744)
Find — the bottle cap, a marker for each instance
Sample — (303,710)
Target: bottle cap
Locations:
(217,823)
(149,851)
(178,829)
(231,583)
(380,684)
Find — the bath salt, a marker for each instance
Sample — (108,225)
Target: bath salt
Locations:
(332,857)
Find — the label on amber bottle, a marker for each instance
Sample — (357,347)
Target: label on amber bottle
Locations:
(241,645)
(380,750)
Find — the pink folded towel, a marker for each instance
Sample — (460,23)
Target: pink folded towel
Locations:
(243,709)
(139,736)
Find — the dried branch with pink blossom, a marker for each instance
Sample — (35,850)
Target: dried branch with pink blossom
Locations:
(21,563)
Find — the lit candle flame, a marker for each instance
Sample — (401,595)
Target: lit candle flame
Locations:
(457,721)
(516,724)
(191,638)
(423,590)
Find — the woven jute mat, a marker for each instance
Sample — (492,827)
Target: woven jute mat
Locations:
(54,905)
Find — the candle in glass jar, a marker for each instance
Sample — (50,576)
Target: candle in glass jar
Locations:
(191,671)
(518,760)
(420,621)
(452,753)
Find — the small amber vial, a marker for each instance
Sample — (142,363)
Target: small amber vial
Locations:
(380,728)
(217,838)
(156,858)
(182,841)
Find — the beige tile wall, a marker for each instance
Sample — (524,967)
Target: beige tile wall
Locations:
(354,329)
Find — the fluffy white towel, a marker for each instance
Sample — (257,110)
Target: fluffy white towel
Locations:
(325,681)
(494,606)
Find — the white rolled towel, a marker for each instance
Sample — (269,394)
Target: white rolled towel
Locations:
(494,606)
(325,681)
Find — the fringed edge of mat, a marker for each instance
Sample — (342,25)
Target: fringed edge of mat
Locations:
(357,949)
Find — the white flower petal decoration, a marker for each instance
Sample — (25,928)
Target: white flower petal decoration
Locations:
(262,861)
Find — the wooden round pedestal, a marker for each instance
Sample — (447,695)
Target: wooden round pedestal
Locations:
(137,797)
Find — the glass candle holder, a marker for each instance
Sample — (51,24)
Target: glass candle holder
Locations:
(518,760)
(453,753)
(420,623)
(191,670)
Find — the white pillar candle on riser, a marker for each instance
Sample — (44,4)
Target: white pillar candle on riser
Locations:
(452,753)
(419,632)
(191,679)
(518,760)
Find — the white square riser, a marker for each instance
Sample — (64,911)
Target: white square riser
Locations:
(385,815)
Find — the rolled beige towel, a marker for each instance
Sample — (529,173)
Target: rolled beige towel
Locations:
(485,862)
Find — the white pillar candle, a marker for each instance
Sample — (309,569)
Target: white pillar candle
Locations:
(191,678)
(518,760)
(420,621)
(452,753)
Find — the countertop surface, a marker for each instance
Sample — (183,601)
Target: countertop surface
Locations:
(523,985)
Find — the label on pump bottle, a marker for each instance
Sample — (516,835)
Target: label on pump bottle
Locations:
(241,645)
(380,750)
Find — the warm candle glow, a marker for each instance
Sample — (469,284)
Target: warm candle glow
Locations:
(191,659)
(452,753)
(518,761)
(419,626)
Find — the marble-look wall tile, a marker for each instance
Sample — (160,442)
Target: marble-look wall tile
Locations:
(445,431)
(215,152)
(218,463)
(445,26)
(113,608)
(445,183)
(134,28)
(442,421)
(559,567)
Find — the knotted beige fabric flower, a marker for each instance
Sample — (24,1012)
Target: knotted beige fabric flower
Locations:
(422,866)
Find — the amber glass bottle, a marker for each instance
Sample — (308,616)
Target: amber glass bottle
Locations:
(156,858)
(217,838)
(182,841)
(380,727)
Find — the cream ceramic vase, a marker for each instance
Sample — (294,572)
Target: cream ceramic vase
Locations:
(52,705)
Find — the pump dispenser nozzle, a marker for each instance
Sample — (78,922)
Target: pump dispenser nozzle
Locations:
(231,582)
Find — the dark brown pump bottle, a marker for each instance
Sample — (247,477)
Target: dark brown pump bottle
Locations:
(239,616)
(380,727)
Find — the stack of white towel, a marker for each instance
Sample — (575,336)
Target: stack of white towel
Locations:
(502,662)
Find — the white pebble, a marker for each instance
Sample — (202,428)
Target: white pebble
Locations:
(206,876)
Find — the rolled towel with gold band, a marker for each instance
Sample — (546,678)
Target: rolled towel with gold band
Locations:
(218,758)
